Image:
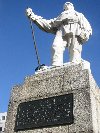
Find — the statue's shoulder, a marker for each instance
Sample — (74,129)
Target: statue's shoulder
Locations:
(79,14)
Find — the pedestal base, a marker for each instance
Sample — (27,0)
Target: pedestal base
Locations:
(71,79)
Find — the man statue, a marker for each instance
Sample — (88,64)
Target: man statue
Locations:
(71,28)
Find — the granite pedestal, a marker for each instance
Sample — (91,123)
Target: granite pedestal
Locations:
(59,81)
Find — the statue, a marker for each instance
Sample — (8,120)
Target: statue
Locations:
(72,30)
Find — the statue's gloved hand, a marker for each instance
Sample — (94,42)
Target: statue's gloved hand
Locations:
(28,12)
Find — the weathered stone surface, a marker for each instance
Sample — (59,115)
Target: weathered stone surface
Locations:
(58,81)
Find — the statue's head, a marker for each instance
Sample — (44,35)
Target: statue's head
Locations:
(68,6)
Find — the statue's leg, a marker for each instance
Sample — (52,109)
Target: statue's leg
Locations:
(58,48)
(75,49)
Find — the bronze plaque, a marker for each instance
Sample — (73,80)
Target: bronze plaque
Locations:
(53,111)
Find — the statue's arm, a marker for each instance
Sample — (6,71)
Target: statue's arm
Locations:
(43,24)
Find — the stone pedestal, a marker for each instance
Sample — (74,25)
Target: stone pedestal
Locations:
(71,79)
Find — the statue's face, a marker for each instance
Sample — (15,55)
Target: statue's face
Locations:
(68,7)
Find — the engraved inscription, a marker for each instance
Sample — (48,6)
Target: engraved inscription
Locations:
(53,111)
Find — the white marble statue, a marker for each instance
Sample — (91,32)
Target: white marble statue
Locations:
(71,30)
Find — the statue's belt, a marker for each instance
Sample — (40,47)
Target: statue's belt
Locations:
(69,21)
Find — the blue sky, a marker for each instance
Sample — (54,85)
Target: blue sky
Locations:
(17,55)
